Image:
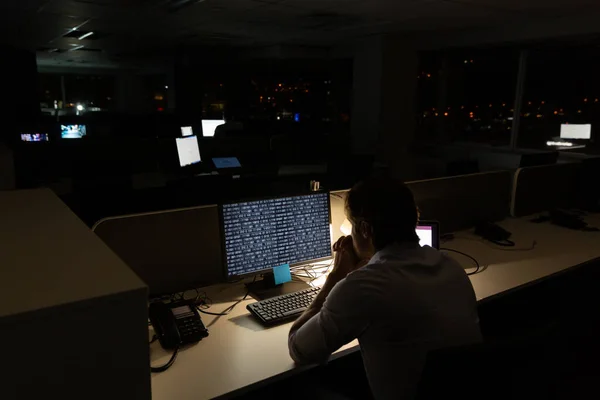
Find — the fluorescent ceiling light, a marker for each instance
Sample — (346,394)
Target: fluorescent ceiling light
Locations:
(86,35)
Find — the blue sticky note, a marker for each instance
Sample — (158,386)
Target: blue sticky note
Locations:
(282,274)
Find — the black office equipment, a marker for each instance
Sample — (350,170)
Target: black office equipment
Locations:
(263,234)
(176,323)
(283,308)
(494,233)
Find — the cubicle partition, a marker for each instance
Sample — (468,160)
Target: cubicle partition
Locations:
(170,250)
(457,202)
(538,189)
(461,202)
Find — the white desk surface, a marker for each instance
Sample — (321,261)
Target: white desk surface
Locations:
(240,352)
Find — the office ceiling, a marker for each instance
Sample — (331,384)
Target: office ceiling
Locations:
(125,27)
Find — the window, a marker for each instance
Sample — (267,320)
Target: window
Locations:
(468,94)
(86,93)
(82,93)
(562,86)
(277,91)
(50,92)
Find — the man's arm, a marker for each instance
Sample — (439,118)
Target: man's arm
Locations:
(312,336)
(317,303)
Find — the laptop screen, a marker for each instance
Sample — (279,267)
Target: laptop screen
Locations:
(428,234)
(226,162)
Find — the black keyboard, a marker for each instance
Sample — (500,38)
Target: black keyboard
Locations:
(283,308)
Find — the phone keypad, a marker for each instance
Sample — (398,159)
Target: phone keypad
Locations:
(191,329)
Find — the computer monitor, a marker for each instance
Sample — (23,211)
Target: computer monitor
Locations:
(34,137)
(187,131)
(72,131)
(188,150)
(262,234)
(576,131)
(210,125)
(429,234)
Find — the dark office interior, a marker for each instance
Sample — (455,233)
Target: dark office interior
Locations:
(145,118)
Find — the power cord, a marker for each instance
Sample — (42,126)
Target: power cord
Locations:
(227,311)
(165,367)
(466,255)
(450,237)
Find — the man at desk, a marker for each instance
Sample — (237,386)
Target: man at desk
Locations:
(399,299)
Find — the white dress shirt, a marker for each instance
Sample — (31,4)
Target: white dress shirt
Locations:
(406,301)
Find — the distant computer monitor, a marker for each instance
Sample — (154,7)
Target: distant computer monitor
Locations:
(72,131)
(226,162)
(429,234)
(188,150)
(210,125)
(576,131)
(263,234)
(34,137)
(187,131)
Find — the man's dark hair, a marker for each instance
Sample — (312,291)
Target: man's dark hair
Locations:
(388,206)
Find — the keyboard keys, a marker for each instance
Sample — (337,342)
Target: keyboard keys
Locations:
(283,308)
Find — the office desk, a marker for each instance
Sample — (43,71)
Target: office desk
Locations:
(238,353)
(241,354)
(505,268)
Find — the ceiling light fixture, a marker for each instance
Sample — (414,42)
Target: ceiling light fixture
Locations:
(176,5)
(86,35)
(76,48)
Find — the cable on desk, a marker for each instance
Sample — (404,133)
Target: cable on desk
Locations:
(466,255)
(227,310)
(165,367)
(489,244)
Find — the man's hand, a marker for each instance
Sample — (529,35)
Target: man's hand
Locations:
(345,260)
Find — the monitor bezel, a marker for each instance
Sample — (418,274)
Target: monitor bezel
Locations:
(229,278)
(435,228)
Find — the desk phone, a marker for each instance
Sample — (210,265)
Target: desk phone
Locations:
(176,323)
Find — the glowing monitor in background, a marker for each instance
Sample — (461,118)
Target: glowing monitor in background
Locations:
(188,150)
(187,131)
(34,137)
(210,125)
(576,131)
(72,131)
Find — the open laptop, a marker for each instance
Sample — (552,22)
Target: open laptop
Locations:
(429,233)
(227,165)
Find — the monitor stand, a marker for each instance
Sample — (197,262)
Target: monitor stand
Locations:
(266,288)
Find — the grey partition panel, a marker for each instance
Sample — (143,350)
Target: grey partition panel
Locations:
(543,188)
(170,250)
(460,202)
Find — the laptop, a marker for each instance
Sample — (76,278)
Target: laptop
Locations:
(227,165)
(429,233)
